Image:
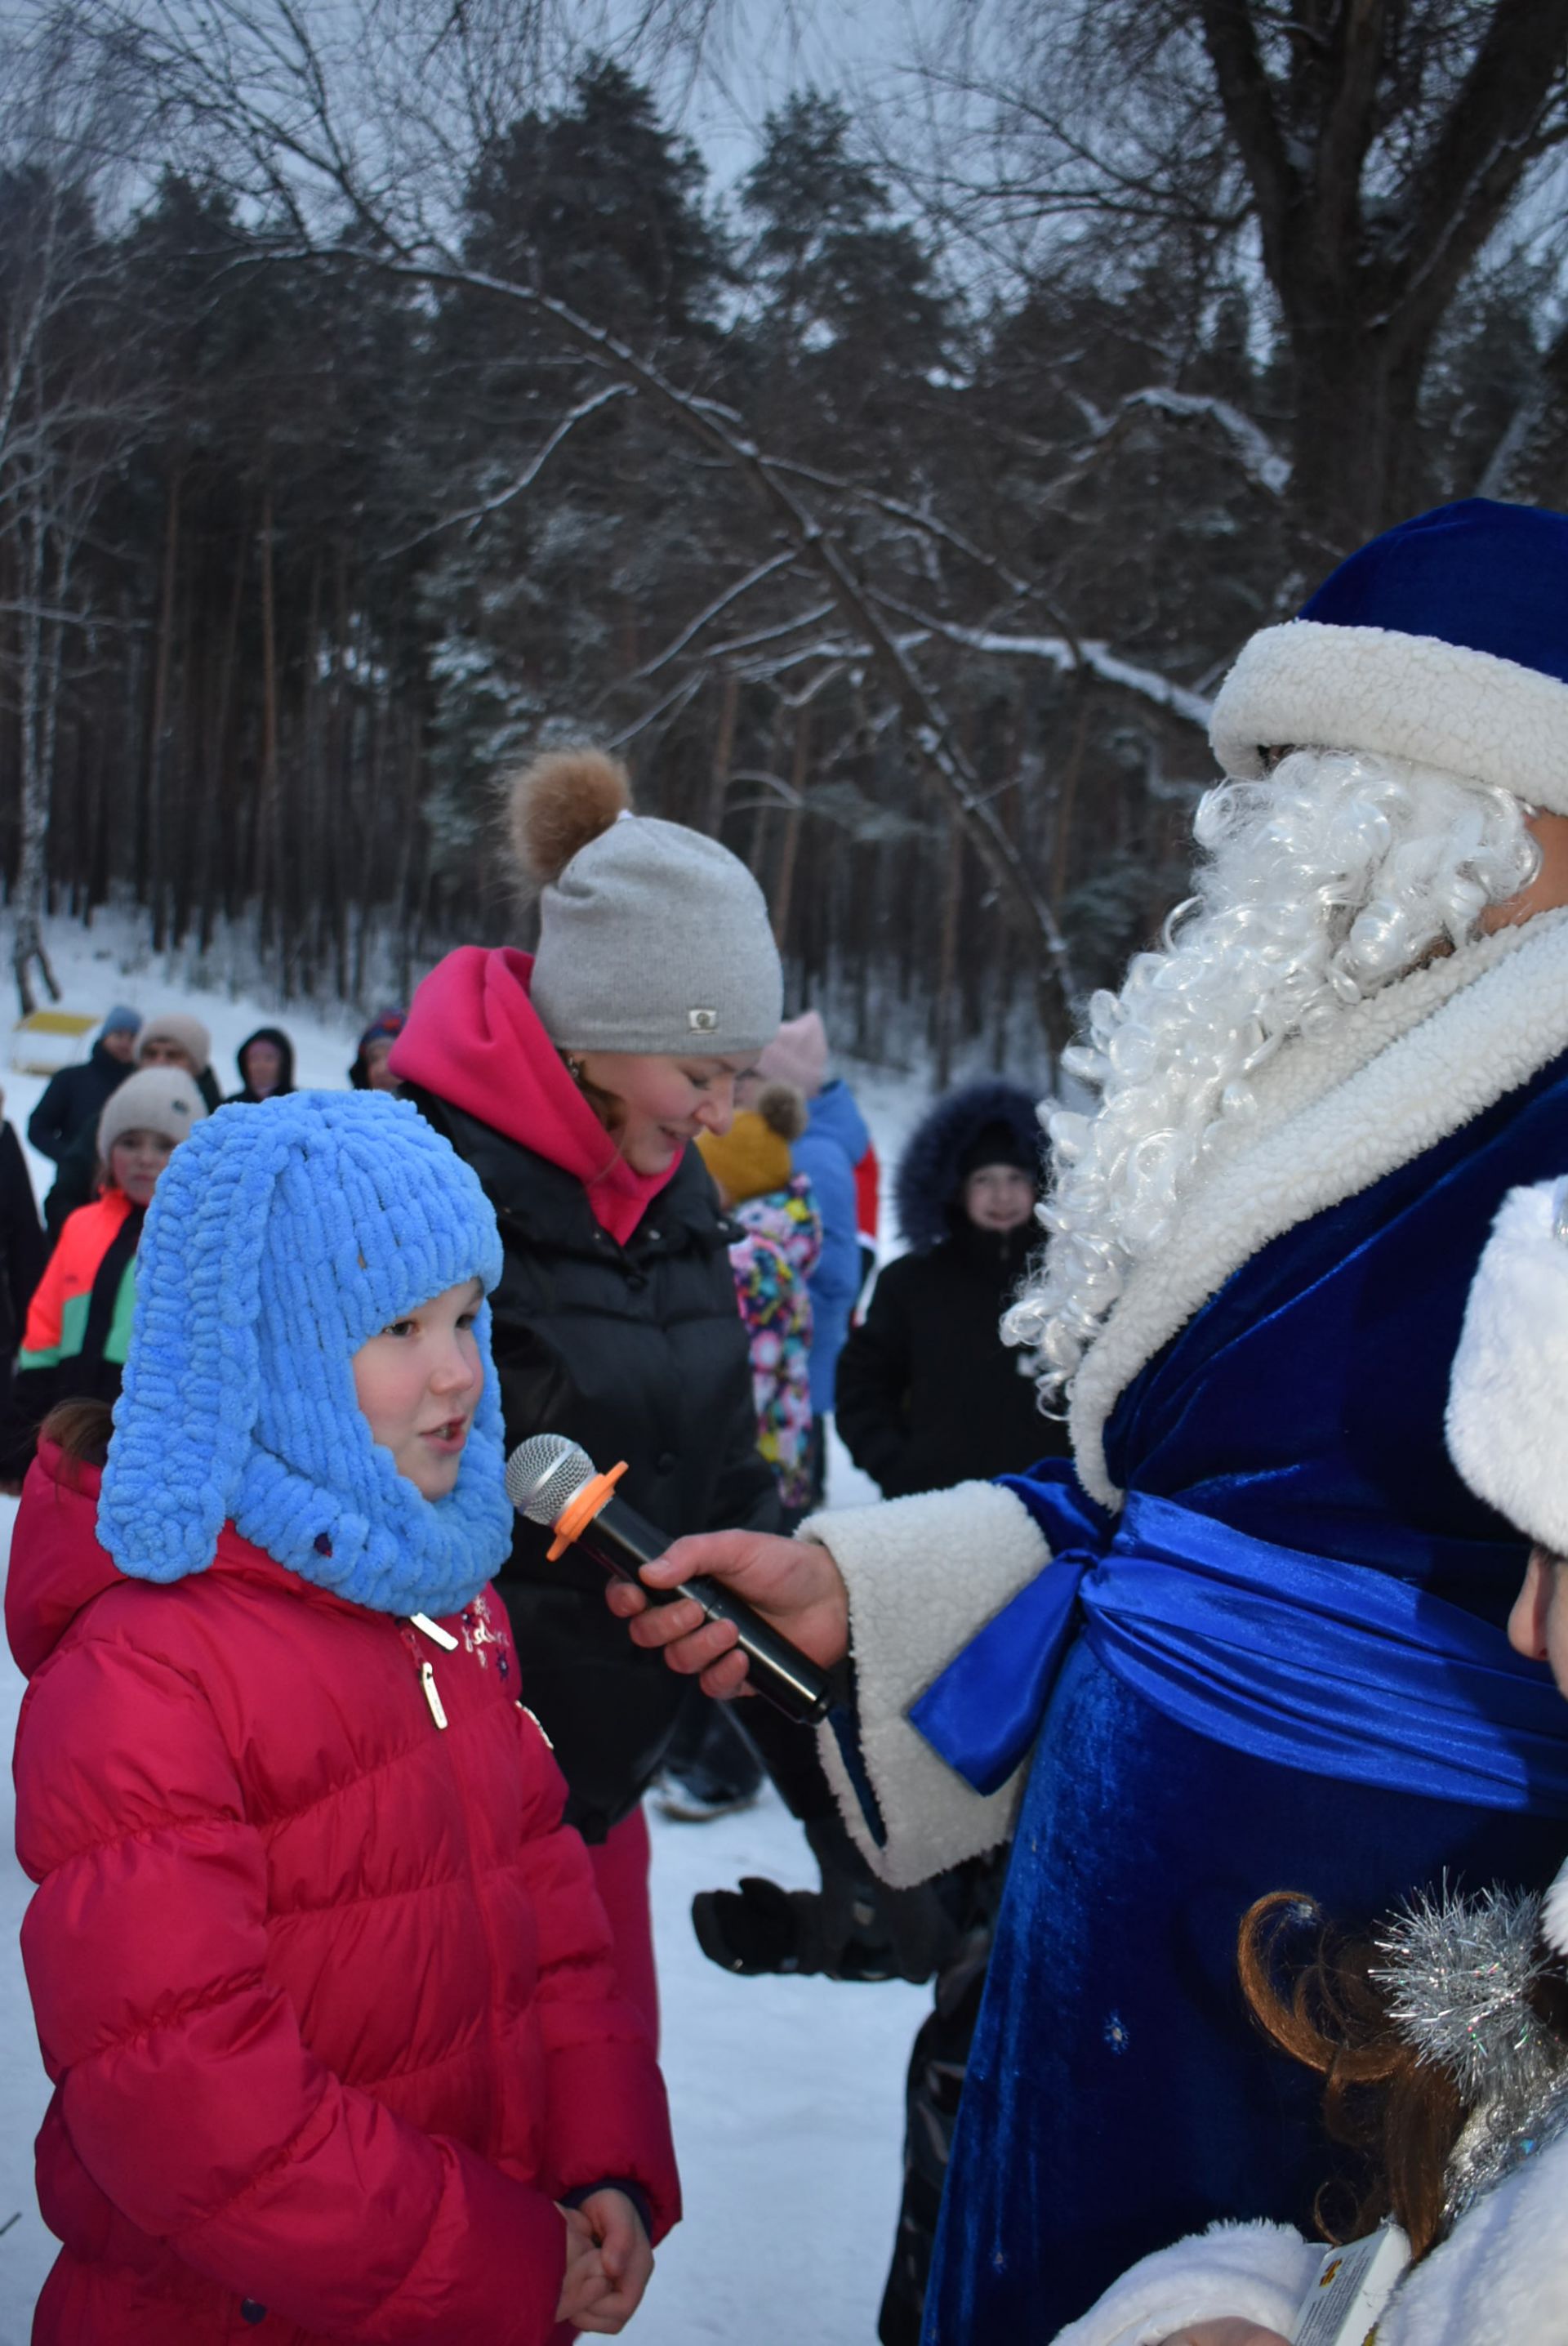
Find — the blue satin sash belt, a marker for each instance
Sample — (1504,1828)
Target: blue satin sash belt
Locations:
(1331,1667)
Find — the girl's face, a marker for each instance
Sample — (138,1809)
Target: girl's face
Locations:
(658,1104)
(998,1196)
(1538,1625)
(379,1077)
(135,1161)
(161,1052)
(263,1066)
(418,1385)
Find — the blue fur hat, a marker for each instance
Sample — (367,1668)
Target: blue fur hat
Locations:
(1444,642)
(279,1240)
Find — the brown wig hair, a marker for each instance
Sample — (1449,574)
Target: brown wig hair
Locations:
(82,1429)
(1401,2114)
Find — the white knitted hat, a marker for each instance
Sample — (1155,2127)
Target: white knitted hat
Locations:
(154,1099)
(187,1033)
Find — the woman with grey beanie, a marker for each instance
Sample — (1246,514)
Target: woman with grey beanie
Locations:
(572,1081)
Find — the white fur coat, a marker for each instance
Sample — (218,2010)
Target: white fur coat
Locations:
(1500,2280)
(1398,1074)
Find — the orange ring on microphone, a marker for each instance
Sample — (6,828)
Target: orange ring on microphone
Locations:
(581,1508)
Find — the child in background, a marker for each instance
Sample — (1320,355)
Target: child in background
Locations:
(711,1768)
(78,1323)
(265,1065)
(370,1071)
(319,1977)
(928,1394)
(73,1099)
(172,1040)
(830,1151)
(772,1263)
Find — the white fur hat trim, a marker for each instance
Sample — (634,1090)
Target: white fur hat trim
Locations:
(1310,686)
(1507,1400)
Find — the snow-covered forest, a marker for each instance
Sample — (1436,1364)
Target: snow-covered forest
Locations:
(386,389)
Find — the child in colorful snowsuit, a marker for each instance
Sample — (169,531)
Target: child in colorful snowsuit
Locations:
(78,1322)
(321,1981)
(772,1264)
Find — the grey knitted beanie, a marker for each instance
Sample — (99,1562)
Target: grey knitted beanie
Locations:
(653,938)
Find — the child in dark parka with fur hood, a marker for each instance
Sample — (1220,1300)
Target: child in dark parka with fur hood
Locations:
(928,1394)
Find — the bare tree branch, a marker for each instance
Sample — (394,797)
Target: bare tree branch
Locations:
(524,480)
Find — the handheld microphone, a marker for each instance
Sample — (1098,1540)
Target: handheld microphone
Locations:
(553,1482)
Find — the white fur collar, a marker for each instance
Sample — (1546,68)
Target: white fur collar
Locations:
(1398,1073)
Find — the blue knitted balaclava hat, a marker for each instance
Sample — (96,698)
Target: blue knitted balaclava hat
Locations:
(280,1240)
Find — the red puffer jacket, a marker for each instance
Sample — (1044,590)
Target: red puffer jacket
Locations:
(324,1989)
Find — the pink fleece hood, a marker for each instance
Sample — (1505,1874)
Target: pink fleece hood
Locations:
(473,1038)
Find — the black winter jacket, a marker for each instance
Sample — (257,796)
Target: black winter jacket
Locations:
(24,1249)
(928,1394)
(75,1099)
(637,1353)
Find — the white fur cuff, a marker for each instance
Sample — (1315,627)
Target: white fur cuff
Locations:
(924,1574)
(1250,2272)
(1310,686)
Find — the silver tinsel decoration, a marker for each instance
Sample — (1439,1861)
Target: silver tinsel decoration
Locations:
(1458,1977)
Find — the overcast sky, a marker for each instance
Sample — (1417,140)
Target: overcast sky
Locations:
(757,51)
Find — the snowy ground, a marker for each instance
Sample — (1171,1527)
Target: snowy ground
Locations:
(787,2094)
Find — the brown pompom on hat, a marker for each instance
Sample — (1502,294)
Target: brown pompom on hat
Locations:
(753,1157)
(653,939)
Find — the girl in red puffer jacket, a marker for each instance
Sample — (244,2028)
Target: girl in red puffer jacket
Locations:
(320,1979)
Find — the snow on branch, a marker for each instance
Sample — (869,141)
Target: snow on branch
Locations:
(524,480)
(738,645)
(1065,653)
(720,604)
(1260,460)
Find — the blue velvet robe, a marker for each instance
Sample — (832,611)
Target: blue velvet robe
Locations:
(1118,2095)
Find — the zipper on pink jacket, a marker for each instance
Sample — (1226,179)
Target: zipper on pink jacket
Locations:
(428,1686)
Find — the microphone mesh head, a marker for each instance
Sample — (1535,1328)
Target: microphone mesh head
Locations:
(544,1473)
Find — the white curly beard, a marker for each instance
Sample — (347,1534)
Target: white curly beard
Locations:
(1339,873)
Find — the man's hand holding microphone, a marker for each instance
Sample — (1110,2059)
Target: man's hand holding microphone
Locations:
(746,1613)
(794,1585)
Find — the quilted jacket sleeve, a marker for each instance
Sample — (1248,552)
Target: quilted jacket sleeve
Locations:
(184,2086)
(607,2115)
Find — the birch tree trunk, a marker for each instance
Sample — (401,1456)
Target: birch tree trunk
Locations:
(27,952)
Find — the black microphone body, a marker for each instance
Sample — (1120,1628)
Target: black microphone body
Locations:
(620,1542)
